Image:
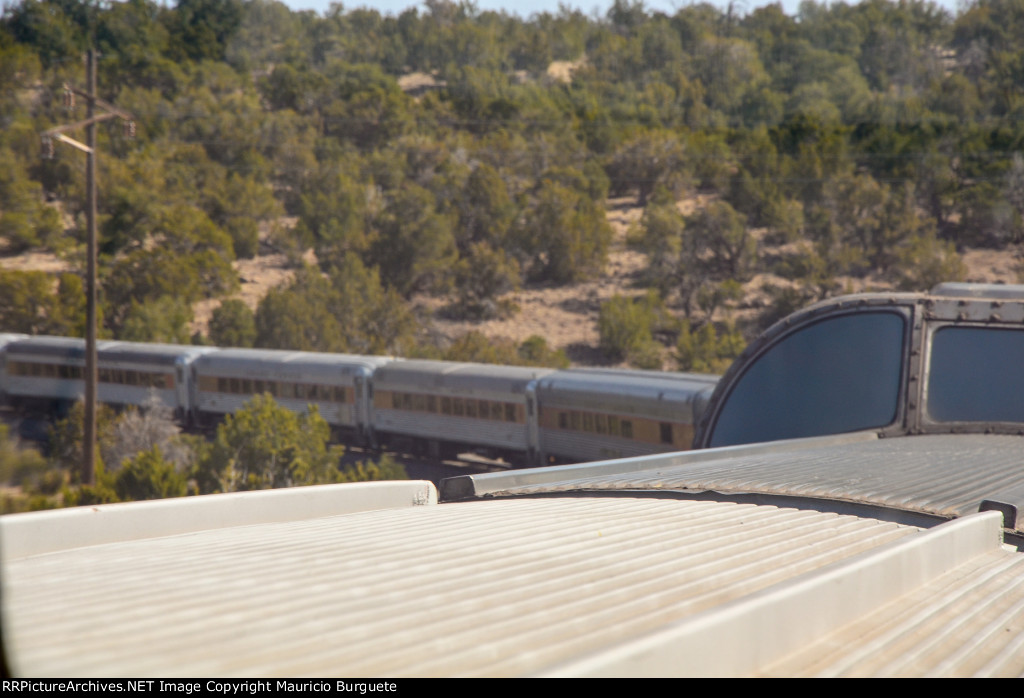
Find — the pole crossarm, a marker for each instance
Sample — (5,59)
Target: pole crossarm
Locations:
(115,111)
(54,132)
(70,141)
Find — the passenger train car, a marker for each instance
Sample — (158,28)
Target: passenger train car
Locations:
(48,371)
(448,405)
(594,414)
(338,384)
(437,408)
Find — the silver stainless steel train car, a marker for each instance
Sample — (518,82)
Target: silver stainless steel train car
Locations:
(442,406)
(47,370)
(439,408)
(5,339)
(595,414)
(338,384)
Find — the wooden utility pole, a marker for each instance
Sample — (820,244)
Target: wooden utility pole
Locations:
(89,440)
(90,375)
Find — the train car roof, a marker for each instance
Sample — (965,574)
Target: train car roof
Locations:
(151,353)
(427,374)
(376,579)
(943,475)
(613,386)
(44,345)
(8,337)
(286,360)
(107,350)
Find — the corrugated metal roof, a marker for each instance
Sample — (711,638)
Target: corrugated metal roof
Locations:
(559,585)
(966,622)
(945,475)
(480,588)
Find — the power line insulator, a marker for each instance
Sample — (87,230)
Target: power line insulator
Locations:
(129,129)
(47,148)
(69,98)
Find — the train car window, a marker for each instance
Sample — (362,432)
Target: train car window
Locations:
(838,375)
(497,411)
(246,386)
(339,394)
(510,412)
(258,385)
(666,432)
(458,407)
(471,408)
(588,422)
(613,426)
(446,405)
(627,429)
(976,374)
(563,420)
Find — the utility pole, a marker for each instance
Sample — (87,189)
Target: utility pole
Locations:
(89,148)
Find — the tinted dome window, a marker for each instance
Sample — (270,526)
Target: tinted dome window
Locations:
(841,374)
(977,375)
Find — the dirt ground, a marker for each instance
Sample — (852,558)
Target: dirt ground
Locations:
(565,316)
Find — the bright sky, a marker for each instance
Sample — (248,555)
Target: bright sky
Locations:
(525,8)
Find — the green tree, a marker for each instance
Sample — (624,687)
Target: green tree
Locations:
(627,325)
(264,445)
(387,468)
(66,437)
(299,316)
(201,29)
(563,236)
(376,318)
(25,220)
(481,276)
(535,351)
(233,324)
(647,161)
(415,249)
(707,350)
(724,233)
(149,476)
(28,303)
(25,468)
(164,320)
